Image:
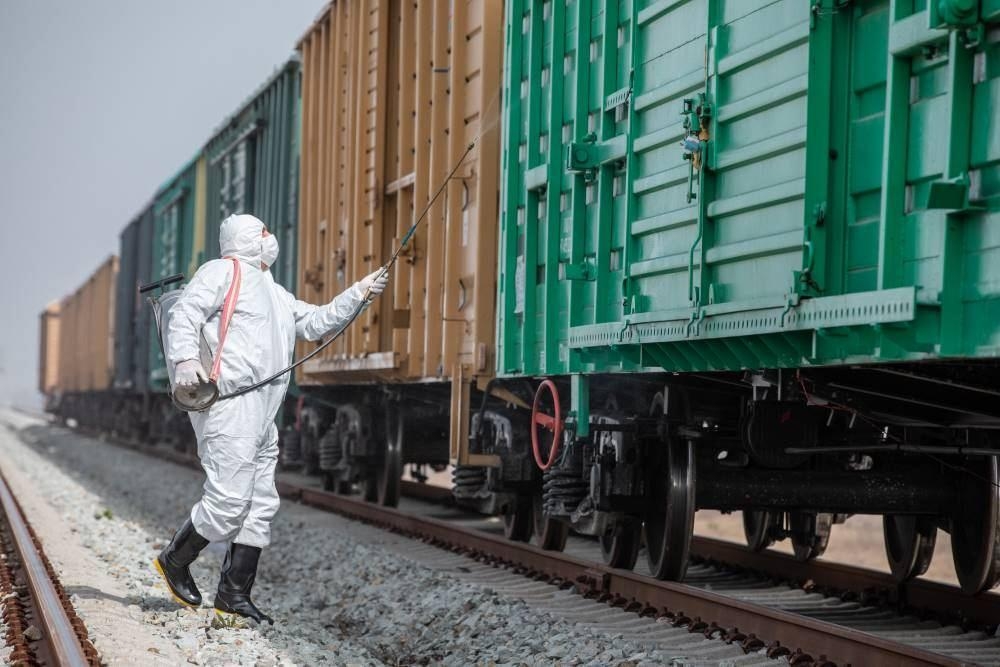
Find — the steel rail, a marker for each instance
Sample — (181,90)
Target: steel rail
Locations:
(816,638)
(921,594)
(57,628)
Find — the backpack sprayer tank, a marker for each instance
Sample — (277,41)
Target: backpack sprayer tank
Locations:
(194,398)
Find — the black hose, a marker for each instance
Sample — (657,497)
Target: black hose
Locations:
(256,385)
(367,299)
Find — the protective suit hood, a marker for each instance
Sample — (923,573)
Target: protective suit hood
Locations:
(240,237)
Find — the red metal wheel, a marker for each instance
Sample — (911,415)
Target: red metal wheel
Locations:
(551,423)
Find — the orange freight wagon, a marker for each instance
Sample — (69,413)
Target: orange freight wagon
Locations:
(392,95)
(48,346)
(86,343)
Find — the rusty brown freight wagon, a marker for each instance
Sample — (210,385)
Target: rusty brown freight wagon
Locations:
(392,95)
(48,348)
(86,347)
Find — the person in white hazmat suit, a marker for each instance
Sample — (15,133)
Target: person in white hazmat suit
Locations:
(237,438)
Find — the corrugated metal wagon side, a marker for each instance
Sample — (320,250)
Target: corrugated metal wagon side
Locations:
(392,94)
(133,332)
(752,248)
(132,318)
(252,166)
(86,347)
(177,246)
(796,204)
(178,243)
(48,358)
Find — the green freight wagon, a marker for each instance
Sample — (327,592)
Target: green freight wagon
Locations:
(253,162)
(753,250)
(178,246)
(178,241)
(253,167)
(132,315)
(132,326)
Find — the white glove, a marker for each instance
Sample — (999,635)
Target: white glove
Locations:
(374,284)
(188,373)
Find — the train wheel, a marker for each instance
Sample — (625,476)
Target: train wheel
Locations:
(389,471)
(517,519)
(669,519)
(975,527)
(810,534)
(620,543)
(909,544)
(760,526)
(548,533)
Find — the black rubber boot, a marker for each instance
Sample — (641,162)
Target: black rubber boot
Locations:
(174,561)
(238,573)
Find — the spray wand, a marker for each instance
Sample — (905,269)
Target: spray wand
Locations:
(368,297)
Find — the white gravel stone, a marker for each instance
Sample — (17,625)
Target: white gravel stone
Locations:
(339,597)
(4,649)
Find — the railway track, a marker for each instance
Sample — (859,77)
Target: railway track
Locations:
(805,626)
(813,613)
(926,598)
(41,626)
(855,584)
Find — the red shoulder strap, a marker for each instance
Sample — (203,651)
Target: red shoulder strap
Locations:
(228,308)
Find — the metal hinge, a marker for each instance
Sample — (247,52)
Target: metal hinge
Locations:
(583,155)
(951,194)
(581,271)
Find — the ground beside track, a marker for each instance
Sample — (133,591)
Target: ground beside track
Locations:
(101,598)
(342,592)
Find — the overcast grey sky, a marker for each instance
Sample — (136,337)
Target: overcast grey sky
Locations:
(100,102)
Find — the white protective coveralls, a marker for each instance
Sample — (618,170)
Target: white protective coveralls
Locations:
(237,438)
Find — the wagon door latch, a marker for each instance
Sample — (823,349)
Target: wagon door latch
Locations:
(584,157)
(697,115)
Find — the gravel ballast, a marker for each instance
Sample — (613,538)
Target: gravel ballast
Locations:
(341,593)
(4,649)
